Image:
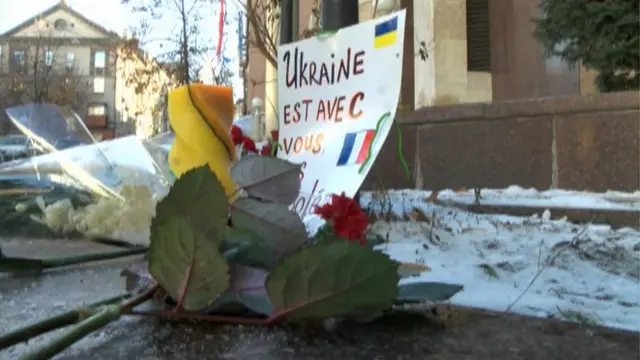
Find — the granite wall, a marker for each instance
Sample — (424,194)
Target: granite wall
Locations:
(589,142)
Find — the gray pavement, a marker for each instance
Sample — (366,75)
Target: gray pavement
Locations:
(467,334)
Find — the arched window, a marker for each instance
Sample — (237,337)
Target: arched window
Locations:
(60,25)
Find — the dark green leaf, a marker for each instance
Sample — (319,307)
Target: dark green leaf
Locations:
(426,291)
(268,178)
(245,247)
(325,235)
(247,288)
(198,197)
(281,228)
(231,302)
(183,260)
(332,280)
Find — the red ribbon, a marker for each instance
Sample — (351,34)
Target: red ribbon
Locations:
(220,28)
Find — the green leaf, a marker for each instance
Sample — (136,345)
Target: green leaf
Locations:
(325,235)
(426,291)
(232,303)
(186,264)
(332,280)
(247,289)
(281,228)
(268,178)
(198,197)
(245,247)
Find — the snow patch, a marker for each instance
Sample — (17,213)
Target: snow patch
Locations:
(527,265)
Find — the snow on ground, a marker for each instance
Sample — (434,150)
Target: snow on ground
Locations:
(533,266)
(554,198)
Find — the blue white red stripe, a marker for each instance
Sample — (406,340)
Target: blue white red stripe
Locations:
(355,149)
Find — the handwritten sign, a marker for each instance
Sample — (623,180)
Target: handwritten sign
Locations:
(337,99)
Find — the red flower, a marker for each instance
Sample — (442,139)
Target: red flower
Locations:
(274,135)
(249,145)
(237,136)
(347,217)
(266,150)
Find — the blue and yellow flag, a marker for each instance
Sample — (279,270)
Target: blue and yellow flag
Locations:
(386,33)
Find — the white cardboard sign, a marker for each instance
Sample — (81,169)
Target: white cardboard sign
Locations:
(337,98)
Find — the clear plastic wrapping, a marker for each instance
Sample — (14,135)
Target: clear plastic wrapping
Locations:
(100,189)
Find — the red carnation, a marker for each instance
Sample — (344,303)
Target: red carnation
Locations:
(266,150)
(274,135)
(237,136)
(347,217)
(249,145)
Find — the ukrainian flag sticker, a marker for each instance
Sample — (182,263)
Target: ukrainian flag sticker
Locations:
(386,33)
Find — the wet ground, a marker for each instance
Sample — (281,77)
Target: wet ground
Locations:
(466,334)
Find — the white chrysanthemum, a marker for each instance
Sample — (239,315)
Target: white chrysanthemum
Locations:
(128,220)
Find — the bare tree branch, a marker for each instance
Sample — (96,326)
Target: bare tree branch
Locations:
(183,46)
(263,20)
(39,77)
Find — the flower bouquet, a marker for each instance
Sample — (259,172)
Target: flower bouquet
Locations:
(75,183)
(249,258)
(224,244)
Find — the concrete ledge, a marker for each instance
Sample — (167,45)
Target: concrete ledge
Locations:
(615,218)
(589,142)
(505,110)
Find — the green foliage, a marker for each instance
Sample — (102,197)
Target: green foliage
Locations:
(264,263)
(239,302)
(602,35)
(186,264)
(268,178)
(426,292)
(246,292)
(186,232)
(281,228)
(245,247)
(325,235)
(198,197)
(332,280)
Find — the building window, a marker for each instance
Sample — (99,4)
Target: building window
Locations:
(98,85)
(60,25)
(478,38)
(98,110)
(19,57)
(99,62)
(48,58)
(19,61)
(71,61)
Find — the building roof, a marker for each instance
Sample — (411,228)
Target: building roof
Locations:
(62,5)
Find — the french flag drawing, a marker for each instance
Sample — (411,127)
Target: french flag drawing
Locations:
(355,149)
